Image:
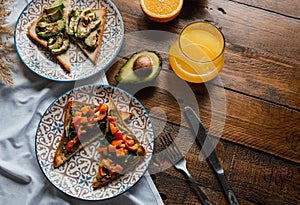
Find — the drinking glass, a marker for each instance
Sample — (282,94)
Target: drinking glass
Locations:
(197,55)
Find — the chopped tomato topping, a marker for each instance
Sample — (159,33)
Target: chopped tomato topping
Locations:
(112,148)
(78,113)
(85,110)
(113,128)
(118,168)
(112,119)
(80,131)
(130,142)
(76,121)
(116,142)
(99,116)
(84,120)
(102,149)
(118,135)
(133,147)
(121,152)
(71,144)
(99,106)
(103,108)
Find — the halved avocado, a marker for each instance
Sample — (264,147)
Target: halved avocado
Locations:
(141,67)
(58,4)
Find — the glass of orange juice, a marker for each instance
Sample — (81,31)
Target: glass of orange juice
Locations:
(197,55)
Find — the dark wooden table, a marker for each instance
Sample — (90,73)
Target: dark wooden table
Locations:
(259,146)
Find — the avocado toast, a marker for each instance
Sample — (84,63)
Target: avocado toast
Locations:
(48,30)
(59,24)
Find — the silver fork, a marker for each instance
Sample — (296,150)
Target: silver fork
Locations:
(176,158)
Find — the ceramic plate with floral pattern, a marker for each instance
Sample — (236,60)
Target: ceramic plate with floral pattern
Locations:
(75,177)
(42,62)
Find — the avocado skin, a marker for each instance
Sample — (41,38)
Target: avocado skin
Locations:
(127,75)
(52,29)
(58,4)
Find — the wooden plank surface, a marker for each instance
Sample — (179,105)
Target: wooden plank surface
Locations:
(256,178)
(288,8)
(249,121)
(259,146)
(254,49)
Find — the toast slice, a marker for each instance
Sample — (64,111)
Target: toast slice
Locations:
(120,150)
(83,124)
(93,54)
(63,58)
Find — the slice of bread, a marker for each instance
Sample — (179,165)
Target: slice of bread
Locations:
(63,58)
(93,54)
(60,156)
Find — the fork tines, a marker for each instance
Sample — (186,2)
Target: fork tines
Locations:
(173,151)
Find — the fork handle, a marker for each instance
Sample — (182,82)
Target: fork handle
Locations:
(198,191)
(231,198)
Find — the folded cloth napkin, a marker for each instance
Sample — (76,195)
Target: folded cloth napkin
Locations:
(21,180)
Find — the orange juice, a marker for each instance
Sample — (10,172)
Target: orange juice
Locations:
(197,55)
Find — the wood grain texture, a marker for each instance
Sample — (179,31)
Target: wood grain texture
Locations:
(260,143)
(264,53)
(256,178)
(288,8)
(249,121)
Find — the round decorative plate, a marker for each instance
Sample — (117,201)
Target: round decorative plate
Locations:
(75,177)
(41,61)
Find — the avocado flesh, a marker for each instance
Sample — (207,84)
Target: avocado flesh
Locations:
(52,29)
(65,46)
(55,43)
(128,75)
(74,20)
(84,30)
(58,4)
(52,17)
(92,39)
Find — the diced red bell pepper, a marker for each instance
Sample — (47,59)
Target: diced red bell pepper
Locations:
(118,135)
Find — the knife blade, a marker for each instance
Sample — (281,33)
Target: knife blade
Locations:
(209,153)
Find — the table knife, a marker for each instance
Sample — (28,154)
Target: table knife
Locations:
(209,153)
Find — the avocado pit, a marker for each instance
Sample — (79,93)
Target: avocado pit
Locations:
(143,66)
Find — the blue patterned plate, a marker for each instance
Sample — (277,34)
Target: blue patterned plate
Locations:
(75,177)
(39,59)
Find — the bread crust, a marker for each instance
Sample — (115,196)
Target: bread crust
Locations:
(60,157)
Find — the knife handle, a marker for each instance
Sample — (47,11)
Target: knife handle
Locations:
(231,198)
